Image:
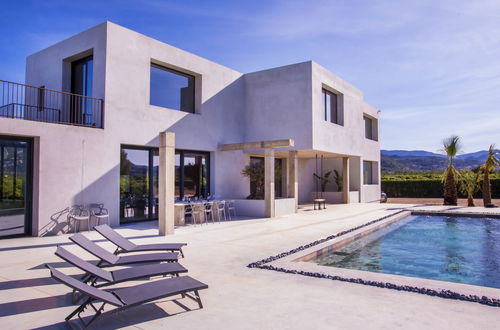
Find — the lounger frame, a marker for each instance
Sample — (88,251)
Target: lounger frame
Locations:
(110,298)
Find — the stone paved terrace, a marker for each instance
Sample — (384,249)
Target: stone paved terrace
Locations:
(238,297)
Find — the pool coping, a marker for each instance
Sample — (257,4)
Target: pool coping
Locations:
(291,262)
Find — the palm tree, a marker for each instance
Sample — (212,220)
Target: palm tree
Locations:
(491,163)
(451,146)
(469,184)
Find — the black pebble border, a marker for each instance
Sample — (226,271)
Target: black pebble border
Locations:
(430,292)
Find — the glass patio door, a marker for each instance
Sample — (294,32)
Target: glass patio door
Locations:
(15,186)
(138,184)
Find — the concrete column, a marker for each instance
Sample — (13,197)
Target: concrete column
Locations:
(166,184)
(269,182)
(345,180)
(293,176)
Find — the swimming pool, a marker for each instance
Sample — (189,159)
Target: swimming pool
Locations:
(447,248)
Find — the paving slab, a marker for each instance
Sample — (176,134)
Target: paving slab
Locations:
(238,297)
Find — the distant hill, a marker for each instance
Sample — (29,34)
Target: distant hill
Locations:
(420,160)
(410,153)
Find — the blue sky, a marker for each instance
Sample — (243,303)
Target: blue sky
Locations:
(432,67)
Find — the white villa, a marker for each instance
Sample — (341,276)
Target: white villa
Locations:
(115,117)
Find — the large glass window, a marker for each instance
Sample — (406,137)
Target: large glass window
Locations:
(192,173)
(331,107)
(171,89)
(370,172)
(15,186)
(278,178)
(138,184)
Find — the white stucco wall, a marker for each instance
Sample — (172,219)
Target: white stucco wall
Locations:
(79,165)
(277,103)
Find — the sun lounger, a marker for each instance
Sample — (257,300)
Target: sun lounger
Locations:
(127,297)
(121,275)
(125,245)
(109,259)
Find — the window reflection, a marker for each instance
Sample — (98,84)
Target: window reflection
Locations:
(81,84)
(171,89)
(138,184)
(278,178)
(192,174)
(14,177)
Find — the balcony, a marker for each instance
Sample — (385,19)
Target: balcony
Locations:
(26,102)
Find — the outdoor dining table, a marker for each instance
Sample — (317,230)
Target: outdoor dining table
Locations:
(180,211)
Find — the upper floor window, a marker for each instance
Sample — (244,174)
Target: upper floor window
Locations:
(82,108)
(81,76)
(332,107)
(371,128)
(171,89)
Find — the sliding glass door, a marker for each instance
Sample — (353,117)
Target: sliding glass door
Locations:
(138,184)
(192,174)
(15,186)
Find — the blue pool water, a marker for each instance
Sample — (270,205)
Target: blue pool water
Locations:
(456,249)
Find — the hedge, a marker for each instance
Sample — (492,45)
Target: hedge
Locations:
(426,189)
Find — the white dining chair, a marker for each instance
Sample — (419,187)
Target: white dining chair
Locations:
(231,207)
(77,214)
(221,209)
(99,213)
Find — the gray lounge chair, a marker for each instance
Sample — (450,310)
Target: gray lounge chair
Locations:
(121,275)
(125,245)
(109,259)
(127,297)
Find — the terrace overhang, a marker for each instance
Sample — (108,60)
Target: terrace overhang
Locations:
(270,144)
(269,158)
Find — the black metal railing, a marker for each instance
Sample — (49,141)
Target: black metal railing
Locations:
(26,102)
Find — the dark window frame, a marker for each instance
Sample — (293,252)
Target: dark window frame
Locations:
(278,181)
(373,127)
(335,116)
(79,105)
(374,180)
(180,73)
(151,150)
(28,201)
(181,153)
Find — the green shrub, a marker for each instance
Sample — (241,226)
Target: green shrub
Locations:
(426,188)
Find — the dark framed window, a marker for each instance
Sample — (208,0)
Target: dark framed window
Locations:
(16,186)
(138,183)
(192,173)
(81,84)
(278,176)
(171,89)
(369,172)
(370,128)
(331,107)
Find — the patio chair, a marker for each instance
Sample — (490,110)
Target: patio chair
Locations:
(221,209)
(198,211)
(99,213)
(188,210)
(77,214)
(231,207)
(125,245)
(209,210)
(94,273)
(123,298)
(107,258)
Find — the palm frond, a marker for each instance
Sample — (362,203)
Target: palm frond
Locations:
(452,146)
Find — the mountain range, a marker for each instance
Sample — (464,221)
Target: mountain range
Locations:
(421,160)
